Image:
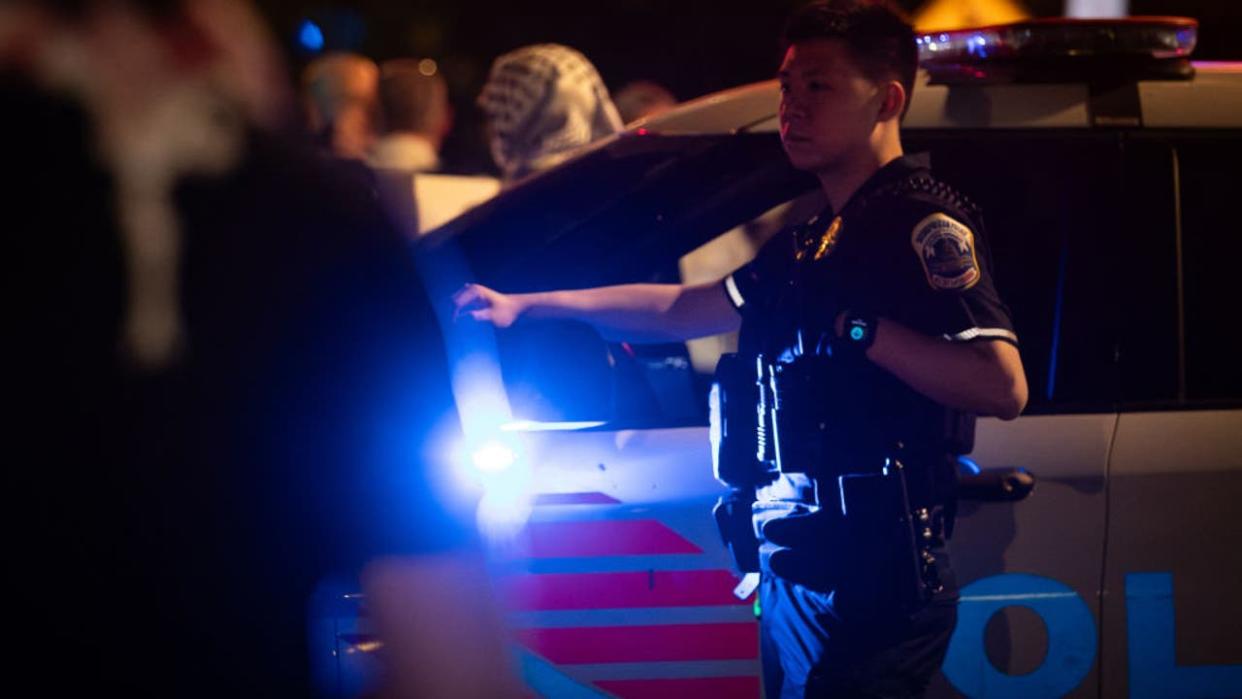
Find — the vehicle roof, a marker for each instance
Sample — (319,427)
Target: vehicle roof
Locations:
(1212,98)
(646,196)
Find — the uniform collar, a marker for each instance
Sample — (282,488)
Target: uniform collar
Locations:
(893,171)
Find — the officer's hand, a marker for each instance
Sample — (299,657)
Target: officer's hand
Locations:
(822,333)
(804,547)
(486,305)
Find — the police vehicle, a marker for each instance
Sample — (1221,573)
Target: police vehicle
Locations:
(1107,166)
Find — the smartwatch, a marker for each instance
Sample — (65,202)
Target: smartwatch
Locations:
(857,333)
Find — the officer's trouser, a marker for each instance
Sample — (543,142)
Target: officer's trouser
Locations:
(808,651)
(813,648)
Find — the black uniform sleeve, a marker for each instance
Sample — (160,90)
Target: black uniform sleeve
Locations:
(944,269)
(751,286)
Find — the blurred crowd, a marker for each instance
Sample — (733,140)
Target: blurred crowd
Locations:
(541,104)
(230,376)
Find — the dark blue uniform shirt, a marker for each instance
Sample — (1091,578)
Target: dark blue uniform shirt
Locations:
(905,248)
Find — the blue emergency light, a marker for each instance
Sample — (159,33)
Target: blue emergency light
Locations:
(310,36)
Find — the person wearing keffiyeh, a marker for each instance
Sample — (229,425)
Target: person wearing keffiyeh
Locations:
(543,103)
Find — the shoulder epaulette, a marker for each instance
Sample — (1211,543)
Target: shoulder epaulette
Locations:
(919,185)
(939,191)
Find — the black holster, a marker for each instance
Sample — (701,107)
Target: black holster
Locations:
(821,417)
(733,514)
(891,543)
(738,414)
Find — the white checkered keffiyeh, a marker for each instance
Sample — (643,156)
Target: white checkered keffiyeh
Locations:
(543,102)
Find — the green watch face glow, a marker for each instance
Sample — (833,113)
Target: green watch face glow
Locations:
(856,333)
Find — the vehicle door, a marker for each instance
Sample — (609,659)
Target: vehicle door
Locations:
(1031,571)
(1174,544)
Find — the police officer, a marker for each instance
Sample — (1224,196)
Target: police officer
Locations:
(873,334)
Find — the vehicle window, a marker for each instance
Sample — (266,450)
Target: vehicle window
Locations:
(1176,342)
(1145,257)
(565,371)
(722,255)
(623,214)
(1083,236)
(1048,201)
(1211,252)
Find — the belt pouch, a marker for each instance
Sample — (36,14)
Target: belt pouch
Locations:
(886,576)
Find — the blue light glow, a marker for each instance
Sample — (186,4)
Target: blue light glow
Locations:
(496,471)
(535,426)
(310,36)
(496,461)
(502,514)
(967,465)
(493,457)
(977,45)
(1055,353)
(856,333)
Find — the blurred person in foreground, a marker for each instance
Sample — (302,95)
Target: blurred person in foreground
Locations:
(340,99)
(871,336)
(643,98)
(230,382)
(415,116)
(543,104)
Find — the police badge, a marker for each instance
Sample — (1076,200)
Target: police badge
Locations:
(828,240)
(821,247)
(946,248)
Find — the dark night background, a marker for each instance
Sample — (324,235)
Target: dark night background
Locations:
(692,47)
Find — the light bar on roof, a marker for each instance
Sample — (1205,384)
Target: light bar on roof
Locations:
(1040,50)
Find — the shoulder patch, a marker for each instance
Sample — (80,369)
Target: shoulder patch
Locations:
(946,247)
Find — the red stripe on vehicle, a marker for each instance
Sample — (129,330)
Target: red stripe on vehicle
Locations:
(605,538)
(643,644)
(575,499)
(679,588)
(715,687)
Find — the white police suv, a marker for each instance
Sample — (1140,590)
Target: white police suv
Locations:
(1108,168)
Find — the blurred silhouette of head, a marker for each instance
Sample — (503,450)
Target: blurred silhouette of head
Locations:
(543,103)
(643,98)
(339,94)
(413,99)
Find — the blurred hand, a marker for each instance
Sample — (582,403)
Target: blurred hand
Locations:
(802,544)
(440,623)
(486,305)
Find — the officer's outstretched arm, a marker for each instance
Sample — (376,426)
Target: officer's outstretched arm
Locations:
(631,312)
(984,377)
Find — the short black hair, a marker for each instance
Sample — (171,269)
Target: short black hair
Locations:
(412,97)
(877,34)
